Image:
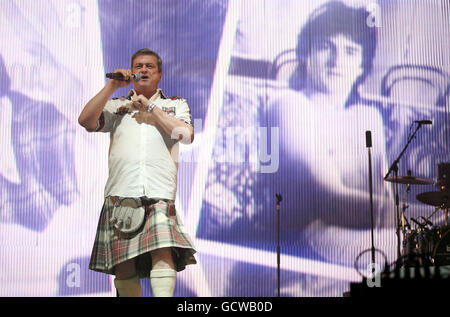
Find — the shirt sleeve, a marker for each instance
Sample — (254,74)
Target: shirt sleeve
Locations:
(183,112)
(107,118)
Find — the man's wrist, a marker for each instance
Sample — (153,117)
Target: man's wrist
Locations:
(112,85)
(151,106)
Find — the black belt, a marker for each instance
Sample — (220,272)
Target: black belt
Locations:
(151,201)
(141,201)
(148,201)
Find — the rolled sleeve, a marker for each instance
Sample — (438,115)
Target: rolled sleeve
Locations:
(183,112)
(107,118)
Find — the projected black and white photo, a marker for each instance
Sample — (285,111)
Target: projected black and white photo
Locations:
(300,94)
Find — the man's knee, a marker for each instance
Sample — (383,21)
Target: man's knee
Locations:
(125,270)
(162,258)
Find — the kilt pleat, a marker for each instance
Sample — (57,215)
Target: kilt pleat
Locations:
(162,228)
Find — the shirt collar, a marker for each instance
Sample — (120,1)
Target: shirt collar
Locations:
(159,93)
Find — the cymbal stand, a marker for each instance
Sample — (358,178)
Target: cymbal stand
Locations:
(445,206)
(434,212)
(404,207)
(446,216)
(394,168)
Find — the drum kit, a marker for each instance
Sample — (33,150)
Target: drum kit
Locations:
(426,242)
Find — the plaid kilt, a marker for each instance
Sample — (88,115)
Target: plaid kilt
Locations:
(161,228)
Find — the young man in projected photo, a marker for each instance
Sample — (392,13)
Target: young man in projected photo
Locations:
(145,128)
(323,172)
(323,165)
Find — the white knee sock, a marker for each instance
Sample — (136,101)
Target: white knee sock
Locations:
(128,288)
(163,282)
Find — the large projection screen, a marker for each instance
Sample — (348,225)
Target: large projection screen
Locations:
(282,93)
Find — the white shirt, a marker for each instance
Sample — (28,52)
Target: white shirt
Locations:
(142,158)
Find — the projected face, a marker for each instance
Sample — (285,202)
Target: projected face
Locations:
(334,64)
(147,67)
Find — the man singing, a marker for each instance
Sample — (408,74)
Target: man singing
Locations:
(139,233)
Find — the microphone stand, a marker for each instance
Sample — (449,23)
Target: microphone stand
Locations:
(394,168)
(369,145)
(279,198)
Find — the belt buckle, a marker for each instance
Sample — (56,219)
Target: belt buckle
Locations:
(129,202)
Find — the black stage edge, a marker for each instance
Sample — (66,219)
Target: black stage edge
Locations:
(422,282)
(198,306)
(207,306)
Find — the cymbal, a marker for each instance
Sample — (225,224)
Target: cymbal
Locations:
(409,180)
(437,199)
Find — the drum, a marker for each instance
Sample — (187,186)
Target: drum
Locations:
(420,244)
(410,243)
(441,252)
(427,239)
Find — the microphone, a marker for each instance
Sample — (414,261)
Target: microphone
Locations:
(279,198)
(119,76)
(423,121)
(368,139)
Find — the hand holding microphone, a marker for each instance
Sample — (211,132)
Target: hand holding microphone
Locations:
(123,77)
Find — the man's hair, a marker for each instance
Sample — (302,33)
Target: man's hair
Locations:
(146,51)
(332,19)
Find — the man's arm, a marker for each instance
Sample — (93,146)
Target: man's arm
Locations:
(174,127)
(91,112)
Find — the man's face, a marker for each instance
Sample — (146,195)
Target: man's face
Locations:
(334,64)
(147,67)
